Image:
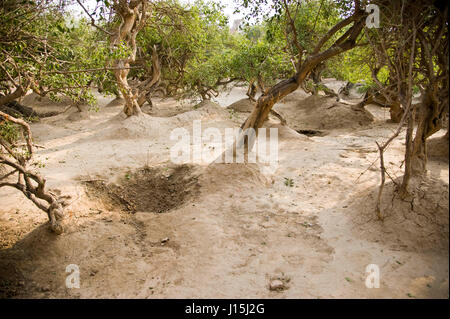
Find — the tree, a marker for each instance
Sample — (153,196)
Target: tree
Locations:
(132,15)
(412,43)
(31,57)
(305,61)
(194,46)
(259,63)
(164,32)
(43,50)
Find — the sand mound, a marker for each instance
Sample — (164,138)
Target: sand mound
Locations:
(121,127)
(318,113)
(34,105)
(284,131)
(244,105)
(44,105)
(145,126)
(207,104)
(295,96)
(312,132)
(116,102)
(438,148)
(34,100)
(78,116)
(205,110)
(166,107)
(419,223)
(149,189)
(218,176)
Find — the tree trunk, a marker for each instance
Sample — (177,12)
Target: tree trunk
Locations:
(133,17)
(316,73)
(251,91)
(150,84)
(408,152)
(131,106)
(266,101)
(277,92)
(429,122)
(396,112)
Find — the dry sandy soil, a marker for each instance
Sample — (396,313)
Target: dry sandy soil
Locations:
(139,226)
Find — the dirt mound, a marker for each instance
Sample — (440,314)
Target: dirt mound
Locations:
(44,106)
(11,280)
(218,176)
(17,110)
(166,107)
(144,126)
(244,105)
(295,96)
(205,110)
(206,104)
(121,127)
(116,102)
(35,100)
(33,105)
(150,189)
(438,148)
(418,223)
(318,113)
(78,116)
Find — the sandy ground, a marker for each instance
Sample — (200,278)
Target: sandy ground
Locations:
(231,229)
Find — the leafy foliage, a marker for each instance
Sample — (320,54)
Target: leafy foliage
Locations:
(43,46)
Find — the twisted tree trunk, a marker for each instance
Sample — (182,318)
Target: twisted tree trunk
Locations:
(150,84)
(430,117)
(133,17)
(267,100)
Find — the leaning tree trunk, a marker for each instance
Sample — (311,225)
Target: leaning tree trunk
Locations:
(266,101)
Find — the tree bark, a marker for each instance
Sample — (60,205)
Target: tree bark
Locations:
(429,122)
(251,91)
(133,16)
(396,112)
(131,106)
(150,85)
